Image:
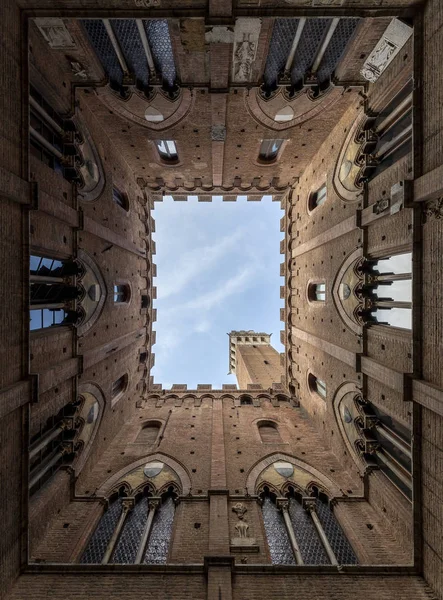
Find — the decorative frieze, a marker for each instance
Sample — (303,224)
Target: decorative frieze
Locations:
(246,35)
(392,41)
(55,32)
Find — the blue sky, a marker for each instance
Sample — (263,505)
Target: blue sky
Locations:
(218,269)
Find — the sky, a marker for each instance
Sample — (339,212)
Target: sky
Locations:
(218,269)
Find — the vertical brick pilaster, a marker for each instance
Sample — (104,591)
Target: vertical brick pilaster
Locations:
(218,458)
(218,494)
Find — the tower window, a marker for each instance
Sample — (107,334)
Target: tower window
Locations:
(149,433)
(318,198)
(317,292)
(122,293)
(167,150)
(120,198)
(269,433)
(119,387)
(317,385)
(245,401)
(269,150)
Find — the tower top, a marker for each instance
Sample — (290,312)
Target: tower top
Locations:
(245,338)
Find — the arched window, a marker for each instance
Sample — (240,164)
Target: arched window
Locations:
(53,140)
(122,293)
(119,387)
(276,533)
(120,198)
(391,131)
(269,433)
(149,433)
(304,531)
(317,385)
(52,446)
(318,197)
(133,530)
(317,292)
(53,292)
(269,150)
(167,150)
(380,440)
(245,400)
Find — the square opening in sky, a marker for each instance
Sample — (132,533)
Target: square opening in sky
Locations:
(218,269)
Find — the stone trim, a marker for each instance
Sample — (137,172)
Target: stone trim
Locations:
(182,473)
(254,472)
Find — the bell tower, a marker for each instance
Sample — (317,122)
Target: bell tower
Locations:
(253,359)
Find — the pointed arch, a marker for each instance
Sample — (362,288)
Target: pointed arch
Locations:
(132,474)
(310,473)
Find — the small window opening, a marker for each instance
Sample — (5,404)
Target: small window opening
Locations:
(120,198)
(122,293)
(269,150)
(318,198)
(167,150)
(317,292)
(317,385)
(119,386)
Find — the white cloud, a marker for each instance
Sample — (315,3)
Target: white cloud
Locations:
(234,285)
(193,263)
(203,326)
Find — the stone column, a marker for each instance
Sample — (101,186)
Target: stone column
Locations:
(127,506)
(283,505)
(152,507)
(310,504)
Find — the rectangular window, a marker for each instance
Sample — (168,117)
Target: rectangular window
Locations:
(167,150)
(320,196)
(120,293)
(45,267)
(41,318)
(119,386)
(269,149)
(120,198)
(320,292)
(321,387)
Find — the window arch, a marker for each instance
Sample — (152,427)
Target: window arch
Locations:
(122,293)
(375,438)
(269,433)
(148,434)
(317,386)
(119,387)
(167,150)
(62,438)
(317,292)
(302,529)
(317,198)
(133,530)
(269,150)
(245,400)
